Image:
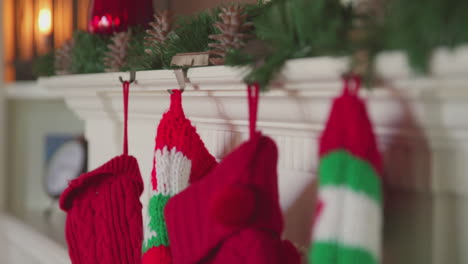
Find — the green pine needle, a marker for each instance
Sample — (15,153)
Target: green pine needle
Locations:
(44,65)
(138,59)
(295,29)
(419,28)
(88,52)
(190,35)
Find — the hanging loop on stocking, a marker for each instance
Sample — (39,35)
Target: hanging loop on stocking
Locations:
(253,94)
(182,79)
(132,77)
(176,101)
(126,91)
(351,83)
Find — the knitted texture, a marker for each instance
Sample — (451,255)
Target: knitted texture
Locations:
(180,158)
(347,228)
(104,223)
(199,234)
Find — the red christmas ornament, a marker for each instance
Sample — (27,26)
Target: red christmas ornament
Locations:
(109,16)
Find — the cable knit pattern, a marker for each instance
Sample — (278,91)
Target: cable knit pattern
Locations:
(180,158)
(104,213)
(104,222)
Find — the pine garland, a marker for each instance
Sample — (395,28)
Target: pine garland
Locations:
(234,31)
(191,34)
(116,58)
(294,29)
(418,28)
(138,59)
(63,61)
(160,29)
(89,52)
(288,29)
(44,65)
(188,34)
(155,39)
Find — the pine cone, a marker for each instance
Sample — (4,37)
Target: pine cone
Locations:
(116,58)
(63,60)
(159,32)
(234,33)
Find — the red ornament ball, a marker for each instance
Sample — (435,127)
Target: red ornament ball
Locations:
(109,16)
(234,205)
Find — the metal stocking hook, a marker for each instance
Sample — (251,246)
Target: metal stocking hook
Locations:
(182,79)
(132,77)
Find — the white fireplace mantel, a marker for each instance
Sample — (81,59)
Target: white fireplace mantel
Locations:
(421,125)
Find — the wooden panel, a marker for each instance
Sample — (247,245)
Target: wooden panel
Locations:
(25,28)
(8,30)
(63,21)
(82,13)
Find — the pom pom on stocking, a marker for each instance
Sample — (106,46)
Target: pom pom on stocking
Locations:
(234,205)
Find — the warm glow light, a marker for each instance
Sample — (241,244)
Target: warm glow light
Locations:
(45,21)
(104,22)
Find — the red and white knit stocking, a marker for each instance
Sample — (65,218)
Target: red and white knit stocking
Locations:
(180,158)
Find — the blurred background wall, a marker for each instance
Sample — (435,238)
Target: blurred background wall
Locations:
(29,122)
(188,7)
(2,119)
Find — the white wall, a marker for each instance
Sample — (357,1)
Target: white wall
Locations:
(29,122)
(21,244)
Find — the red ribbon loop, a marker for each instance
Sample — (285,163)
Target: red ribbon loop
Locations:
(126,91)
(252,96)
(352,84)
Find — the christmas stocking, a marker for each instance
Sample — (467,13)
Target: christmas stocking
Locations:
(232,215)
(347,228)
(104,222)
(180,158)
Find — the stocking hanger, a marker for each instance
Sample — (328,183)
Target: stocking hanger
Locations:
(182,80)
(132,77)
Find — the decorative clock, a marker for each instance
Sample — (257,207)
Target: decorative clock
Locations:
(66,160)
